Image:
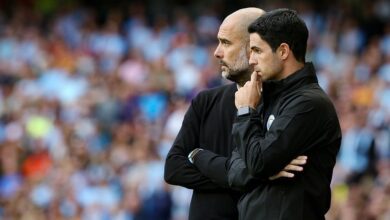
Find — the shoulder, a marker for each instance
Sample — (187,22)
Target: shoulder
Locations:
(218,97)
(317,97)
(218,90)
(215,93)
(309,98)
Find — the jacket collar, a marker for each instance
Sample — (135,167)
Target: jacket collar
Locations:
(306,75)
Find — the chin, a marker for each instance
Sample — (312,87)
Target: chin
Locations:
(225,75)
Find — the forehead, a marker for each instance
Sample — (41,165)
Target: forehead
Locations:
(256,41)
(228,31)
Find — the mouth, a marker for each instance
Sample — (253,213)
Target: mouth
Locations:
(221,63)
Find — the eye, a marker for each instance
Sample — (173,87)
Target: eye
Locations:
(225,42)
(256,50)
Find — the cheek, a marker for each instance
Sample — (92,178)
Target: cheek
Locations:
(228,56)
(263,62)
(232,53)
(276,64)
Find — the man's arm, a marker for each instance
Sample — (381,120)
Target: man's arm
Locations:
(209,171)
(238,174)
(239,177)
(291,134)
(216,168)
(178,169)
(213,166)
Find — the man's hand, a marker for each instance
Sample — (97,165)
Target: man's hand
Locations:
(249,94)
(295,165)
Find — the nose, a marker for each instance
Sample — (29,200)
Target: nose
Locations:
(218,52)
(252,60)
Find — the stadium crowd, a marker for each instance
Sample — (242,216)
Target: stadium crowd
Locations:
(91,102)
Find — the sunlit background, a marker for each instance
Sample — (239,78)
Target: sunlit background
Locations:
(93,94)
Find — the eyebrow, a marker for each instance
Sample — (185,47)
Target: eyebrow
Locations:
(223,39)
(255,48)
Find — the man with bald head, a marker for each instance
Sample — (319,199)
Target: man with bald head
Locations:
(201,151)
(233,49)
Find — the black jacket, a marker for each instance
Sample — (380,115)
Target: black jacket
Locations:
(208,125)
(304,123)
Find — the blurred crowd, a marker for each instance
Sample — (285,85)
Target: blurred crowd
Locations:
(91,102)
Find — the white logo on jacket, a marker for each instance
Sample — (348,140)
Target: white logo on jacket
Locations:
(271,119)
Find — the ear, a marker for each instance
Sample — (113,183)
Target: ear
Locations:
(283,51)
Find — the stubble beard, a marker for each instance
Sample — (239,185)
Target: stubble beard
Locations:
(240,71)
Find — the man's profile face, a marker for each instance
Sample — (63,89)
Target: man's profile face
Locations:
(265,62)
(232,52)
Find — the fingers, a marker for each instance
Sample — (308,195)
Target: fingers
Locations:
(256,81)
(286,174)
(301,160)
(295,165)
(282,174)
(254,78)
(249,95)
(293,168)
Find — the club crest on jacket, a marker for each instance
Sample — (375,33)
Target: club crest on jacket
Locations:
(271,119)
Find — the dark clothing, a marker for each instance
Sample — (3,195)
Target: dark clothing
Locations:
(305,123)
(207,124)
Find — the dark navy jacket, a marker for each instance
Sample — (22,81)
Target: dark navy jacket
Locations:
(295,118)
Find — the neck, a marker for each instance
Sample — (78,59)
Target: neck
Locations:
(292,67)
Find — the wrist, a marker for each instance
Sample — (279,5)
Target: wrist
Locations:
(245,110)
(193,153)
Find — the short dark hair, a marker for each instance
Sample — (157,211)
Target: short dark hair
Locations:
(282,26)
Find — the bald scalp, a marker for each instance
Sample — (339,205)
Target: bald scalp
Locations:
(242,18)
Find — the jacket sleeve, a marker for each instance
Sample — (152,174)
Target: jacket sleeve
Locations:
(178,170)
(238,175)
(213,166)
(292,133)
